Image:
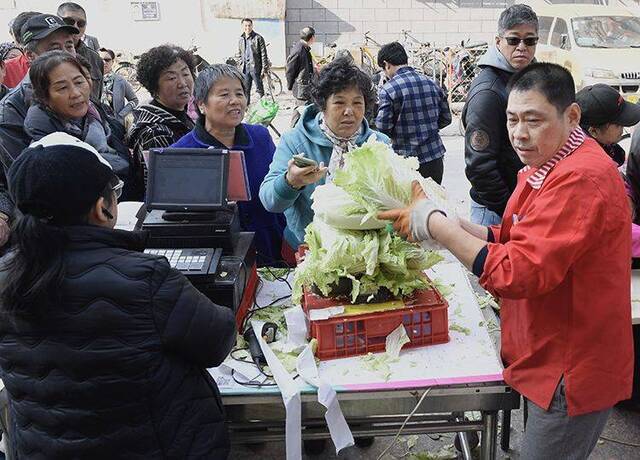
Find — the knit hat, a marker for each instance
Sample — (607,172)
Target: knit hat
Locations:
(58,177)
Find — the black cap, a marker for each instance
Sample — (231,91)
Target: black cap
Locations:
(42,25)
(601,104)
(58,177)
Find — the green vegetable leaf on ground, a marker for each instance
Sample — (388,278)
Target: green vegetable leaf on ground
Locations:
(458,328)
(488,300)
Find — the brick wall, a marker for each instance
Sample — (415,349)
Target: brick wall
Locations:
(345,21)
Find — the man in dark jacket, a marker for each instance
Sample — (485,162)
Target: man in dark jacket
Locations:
(41,33)
(73,14)
(253,56)
(116,365)
(492,164)
(299,69)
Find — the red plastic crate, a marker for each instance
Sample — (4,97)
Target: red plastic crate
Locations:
(425,318)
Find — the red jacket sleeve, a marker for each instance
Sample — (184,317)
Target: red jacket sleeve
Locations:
(561,224)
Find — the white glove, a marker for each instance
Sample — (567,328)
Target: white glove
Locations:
(420,215)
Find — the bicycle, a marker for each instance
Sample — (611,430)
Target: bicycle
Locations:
(270,79)
(127,70)
(321,61)
(427,59)
(462,70)
(264,111)
(200,62)
(368,56)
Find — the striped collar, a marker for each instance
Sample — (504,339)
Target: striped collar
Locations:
(576,138)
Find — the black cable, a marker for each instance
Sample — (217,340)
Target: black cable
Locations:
(249,362)
(257,308)
(273,260)
(279,278)
(252,382)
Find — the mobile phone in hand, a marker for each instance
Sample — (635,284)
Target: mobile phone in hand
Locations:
(303,162)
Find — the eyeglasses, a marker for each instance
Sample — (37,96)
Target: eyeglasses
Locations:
(117,189)
(73,22)
(515,41)
(107,59)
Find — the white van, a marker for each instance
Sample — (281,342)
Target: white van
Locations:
(598,44)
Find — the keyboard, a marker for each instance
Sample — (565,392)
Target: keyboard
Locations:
(188,259)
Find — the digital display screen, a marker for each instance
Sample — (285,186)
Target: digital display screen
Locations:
(184,179)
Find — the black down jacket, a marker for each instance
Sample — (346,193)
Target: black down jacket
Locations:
(118,369)
(492,164)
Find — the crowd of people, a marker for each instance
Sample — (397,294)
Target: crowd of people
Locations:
(104,349)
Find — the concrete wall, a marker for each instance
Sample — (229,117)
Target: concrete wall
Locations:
(440,22)
(345,21)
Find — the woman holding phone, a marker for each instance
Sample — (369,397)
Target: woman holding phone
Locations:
(315,148)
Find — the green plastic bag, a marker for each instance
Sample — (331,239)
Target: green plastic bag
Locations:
(262,112)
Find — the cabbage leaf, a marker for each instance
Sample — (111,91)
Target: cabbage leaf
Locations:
(370,259)
(347,242)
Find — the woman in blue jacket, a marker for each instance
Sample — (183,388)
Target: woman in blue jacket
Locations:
(221,96)
(327,131)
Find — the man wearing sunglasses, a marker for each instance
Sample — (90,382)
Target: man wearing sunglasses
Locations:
(74,15)
(491,163)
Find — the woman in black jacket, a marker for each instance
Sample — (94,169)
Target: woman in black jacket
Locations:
(103,349)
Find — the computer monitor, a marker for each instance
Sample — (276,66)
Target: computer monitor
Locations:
(187,179)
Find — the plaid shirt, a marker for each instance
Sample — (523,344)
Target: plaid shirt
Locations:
(410,105)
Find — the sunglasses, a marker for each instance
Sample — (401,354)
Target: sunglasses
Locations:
(515,41)
(72,22)
(107,59)
(117,189)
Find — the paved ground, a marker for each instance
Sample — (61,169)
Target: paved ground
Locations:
(623,425)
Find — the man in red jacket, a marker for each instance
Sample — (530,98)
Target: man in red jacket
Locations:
(560,263)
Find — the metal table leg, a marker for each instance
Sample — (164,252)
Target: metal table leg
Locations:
(505,435)
(465,448)
(464,445)
(489,435)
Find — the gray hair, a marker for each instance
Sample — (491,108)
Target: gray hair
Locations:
(211,75)
(306,33)
(516,15)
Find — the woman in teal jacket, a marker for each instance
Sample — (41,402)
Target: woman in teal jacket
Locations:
(327,131)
